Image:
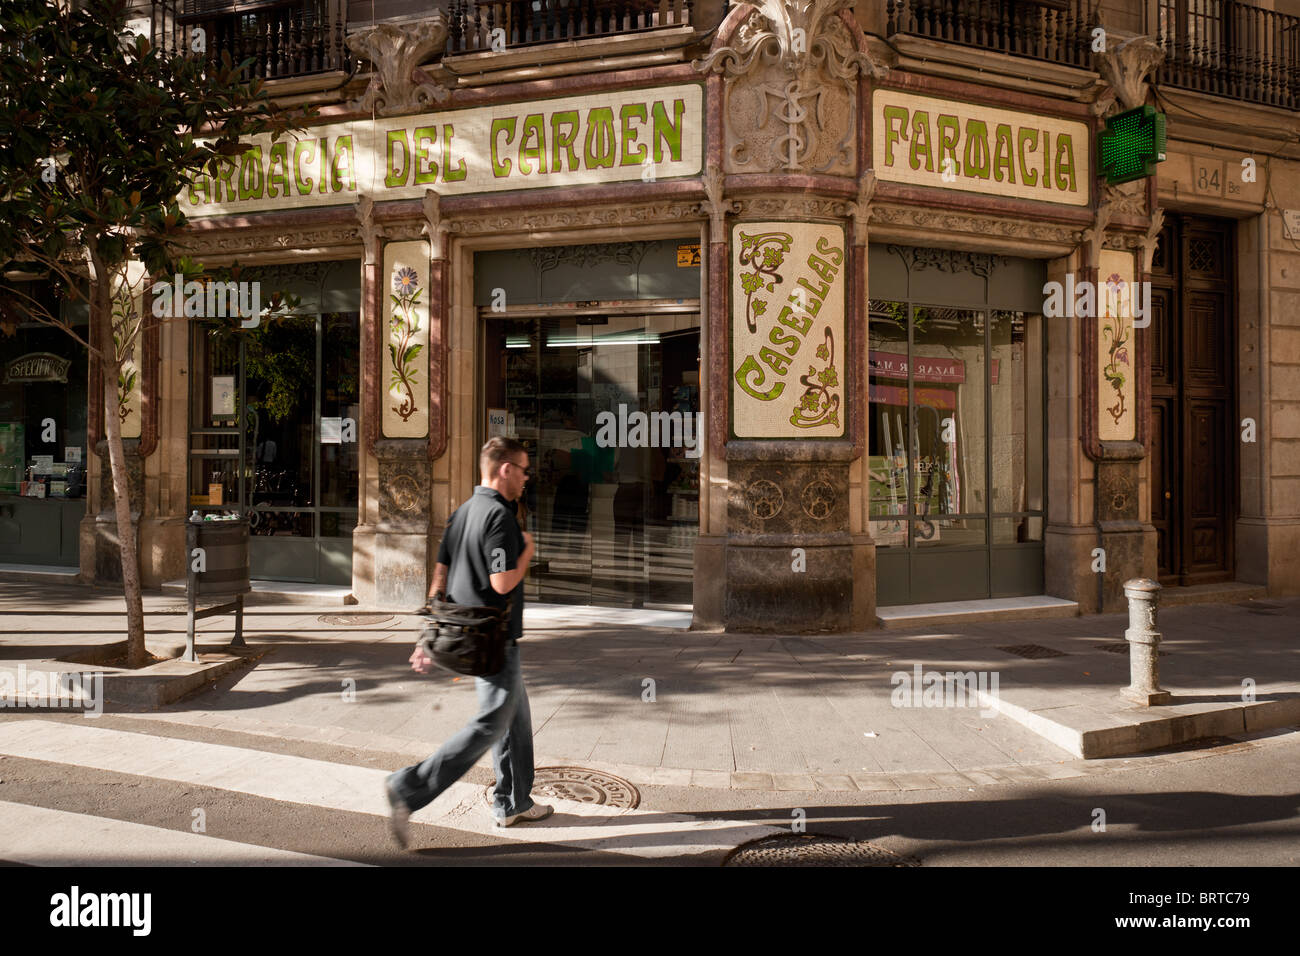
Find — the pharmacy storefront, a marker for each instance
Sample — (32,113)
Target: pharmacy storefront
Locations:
(782,365)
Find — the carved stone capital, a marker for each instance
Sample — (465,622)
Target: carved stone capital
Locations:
(715,207)
(396,49)
(371,232)
(435,227)
(860,211)
(1125,65)
(1096,234)
(1151,239)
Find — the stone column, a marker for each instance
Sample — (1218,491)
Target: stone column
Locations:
(787,299)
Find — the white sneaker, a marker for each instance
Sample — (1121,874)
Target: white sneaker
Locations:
(538,811)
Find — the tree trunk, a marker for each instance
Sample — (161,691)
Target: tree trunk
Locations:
(136,653)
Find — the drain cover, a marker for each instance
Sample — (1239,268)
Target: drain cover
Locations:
(1032,651)
(586,786)
(354,620)
(1120,648)
(806,849)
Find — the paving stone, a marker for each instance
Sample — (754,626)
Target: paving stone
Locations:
(833,781)
(751,781)
(1060,772)
(670,776)
(952,781)
(873,781)
(982,777)
(793,781)
(713,779)
(915,781)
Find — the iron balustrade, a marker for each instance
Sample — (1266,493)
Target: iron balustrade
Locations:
(1227,48)
(471,25)
(1059,31)
(283,38)
(1230,49)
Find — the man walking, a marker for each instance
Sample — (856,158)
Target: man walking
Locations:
(487,556)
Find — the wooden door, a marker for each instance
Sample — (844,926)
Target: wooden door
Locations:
(1193,461)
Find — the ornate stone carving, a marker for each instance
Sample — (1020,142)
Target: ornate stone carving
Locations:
(791,98)
(1117,487)
(404,492)
(246,241)
(540,220)
(1125,66)
(963,223)
(371,232)
(1127,199)
(764,499)
(396,50)
(790,207)
(1095,235)
(435,227)
(1151,239)
(818,499)
(547,258)
(948,260)
(715,207)
(860,211)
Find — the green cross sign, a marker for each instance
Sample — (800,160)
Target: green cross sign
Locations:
(1131,144)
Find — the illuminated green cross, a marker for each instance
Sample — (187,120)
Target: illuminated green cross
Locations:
(1131,144)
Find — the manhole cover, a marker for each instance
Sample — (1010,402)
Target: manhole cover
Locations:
(354,620)
(1032,651)
(1121,648)
(806,849)
(586,786)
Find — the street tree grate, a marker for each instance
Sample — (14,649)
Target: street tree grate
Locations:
(809,849)
(1032,651)
(354,620)
(1121,647)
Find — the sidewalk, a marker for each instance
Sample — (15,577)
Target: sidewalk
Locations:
(660,705)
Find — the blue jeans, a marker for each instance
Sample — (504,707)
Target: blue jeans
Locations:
(504,723)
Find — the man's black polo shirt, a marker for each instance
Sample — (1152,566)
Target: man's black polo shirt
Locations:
(483,538)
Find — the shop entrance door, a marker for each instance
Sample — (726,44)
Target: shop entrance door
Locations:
(270,438)
(1193,398)
(608,407)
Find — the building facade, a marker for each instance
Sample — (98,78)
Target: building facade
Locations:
(803,308)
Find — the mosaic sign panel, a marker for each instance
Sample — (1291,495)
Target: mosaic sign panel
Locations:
(1115,348)
(646,134)
(406,359)
(788,289)
(925,141)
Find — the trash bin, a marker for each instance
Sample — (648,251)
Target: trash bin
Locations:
(216,549)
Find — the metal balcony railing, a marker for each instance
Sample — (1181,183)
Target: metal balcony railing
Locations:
(472,24)
(1058,31)
(1230,49)
(283,38)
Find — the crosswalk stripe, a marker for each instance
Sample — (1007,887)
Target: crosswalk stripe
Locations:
(334,786)
(39,836)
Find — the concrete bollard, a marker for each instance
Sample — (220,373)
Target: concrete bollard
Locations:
(1143,644)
